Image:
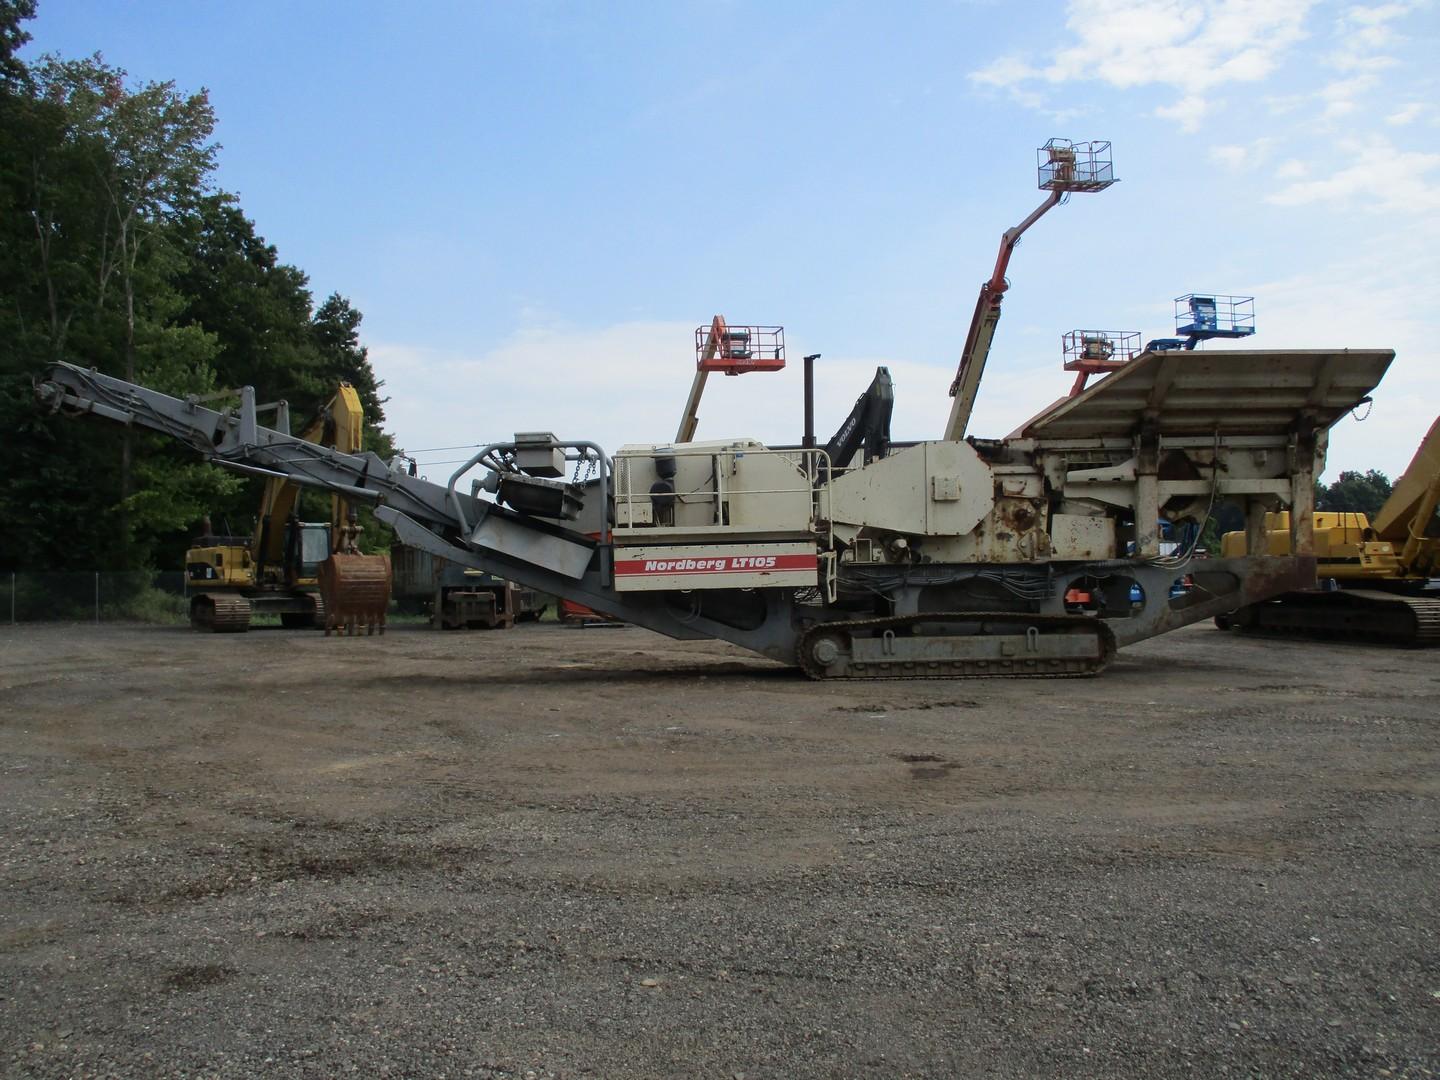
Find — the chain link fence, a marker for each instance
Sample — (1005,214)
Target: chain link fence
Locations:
(94,596)
(156,597)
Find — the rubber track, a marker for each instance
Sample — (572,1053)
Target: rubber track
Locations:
(1425,610)
(958,669)
(228,615)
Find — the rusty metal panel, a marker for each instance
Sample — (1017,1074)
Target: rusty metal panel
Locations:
(1075,536)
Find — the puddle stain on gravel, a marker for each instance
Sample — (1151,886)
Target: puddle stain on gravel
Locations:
(197,976)
(442,858)
(926,766)
(919,706)
(582,673)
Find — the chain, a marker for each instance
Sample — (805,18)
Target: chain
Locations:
(589,463)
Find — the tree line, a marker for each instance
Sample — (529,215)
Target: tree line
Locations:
(118,252)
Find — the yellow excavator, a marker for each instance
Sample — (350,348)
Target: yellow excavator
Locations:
(283,568)
(1376,573)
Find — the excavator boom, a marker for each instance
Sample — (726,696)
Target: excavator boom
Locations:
(1405,517)
(339,424)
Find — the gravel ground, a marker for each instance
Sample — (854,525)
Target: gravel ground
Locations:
(560,853)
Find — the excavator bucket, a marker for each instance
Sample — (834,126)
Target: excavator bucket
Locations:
(356,592)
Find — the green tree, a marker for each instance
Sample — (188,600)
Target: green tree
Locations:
(1226,516)
(12,69)
(156,166)
(258,307)
(114,254)
(88,201)
(1355,492)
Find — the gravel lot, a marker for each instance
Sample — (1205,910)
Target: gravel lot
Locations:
(552,852)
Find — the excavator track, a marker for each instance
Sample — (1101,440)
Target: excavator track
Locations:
(1343,615)
(957,645)
(220,613)
(314,619)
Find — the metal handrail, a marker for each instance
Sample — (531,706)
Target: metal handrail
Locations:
(578,444)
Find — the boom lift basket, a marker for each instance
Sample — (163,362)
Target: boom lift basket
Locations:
(734,350)
(1075,166)
(1208,315)
(1098,351)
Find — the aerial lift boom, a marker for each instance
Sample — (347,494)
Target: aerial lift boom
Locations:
(730,350)
(1064,167)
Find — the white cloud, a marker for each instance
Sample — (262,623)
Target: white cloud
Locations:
(1381,177)
(1232,157)
(1374,297)
(1367,28)
(1340,96)
(1284,104)
(1407,114)
(1191,47)
(1187,112)
(1004,71)
(1241,158)
(1362,32)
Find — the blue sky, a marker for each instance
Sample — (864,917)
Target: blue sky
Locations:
(535,203)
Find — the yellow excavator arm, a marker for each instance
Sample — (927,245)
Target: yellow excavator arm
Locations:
(339,424)
(1405,517)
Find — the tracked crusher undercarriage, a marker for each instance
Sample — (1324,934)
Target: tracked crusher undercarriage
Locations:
(931,560)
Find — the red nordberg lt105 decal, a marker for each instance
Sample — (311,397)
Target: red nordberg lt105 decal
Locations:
(716,564)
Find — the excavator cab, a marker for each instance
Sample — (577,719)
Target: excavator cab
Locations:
(309,545)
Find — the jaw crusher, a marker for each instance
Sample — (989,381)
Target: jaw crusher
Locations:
(935,559)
